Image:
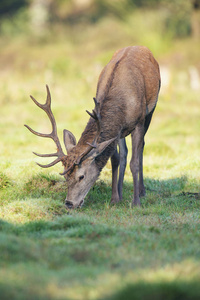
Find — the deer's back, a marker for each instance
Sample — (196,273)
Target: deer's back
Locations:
(128,86)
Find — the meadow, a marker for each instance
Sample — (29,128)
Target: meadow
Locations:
(100,251)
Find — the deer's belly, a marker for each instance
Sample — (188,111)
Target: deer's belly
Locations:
(125,132)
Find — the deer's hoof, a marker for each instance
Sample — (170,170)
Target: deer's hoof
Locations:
(136,203)
(142,193)
(114,200)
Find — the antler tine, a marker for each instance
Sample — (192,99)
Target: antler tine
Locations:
(53,135)
(49,165)
(96,111)
(35,132)
(97,115)
(45,155)
(91,114)
(68,169)
(48,101)
(96,103)
(36,102)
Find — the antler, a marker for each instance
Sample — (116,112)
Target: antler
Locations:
(96,115)
(53,135)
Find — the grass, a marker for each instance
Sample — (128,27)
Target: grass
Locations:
(100,251)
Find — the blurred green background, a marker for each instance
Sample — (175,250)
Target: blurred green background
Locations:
(100,251)
(67,43)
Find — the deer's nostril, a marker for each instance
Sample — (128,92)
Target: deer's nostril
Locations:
(69,204)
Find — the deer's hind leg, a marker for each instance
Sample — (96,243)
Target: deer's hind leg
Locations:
(137,137)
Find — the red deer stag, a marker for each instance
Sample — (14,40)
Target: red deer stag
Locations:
(127,93)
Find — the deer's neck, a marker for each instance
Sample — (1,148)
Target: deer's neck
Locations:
(88,136)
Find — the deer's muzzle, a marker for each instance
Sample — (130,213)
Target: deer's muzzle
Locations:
(69,205)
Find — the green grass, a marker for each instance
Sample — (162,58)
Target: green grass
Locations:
(100,251)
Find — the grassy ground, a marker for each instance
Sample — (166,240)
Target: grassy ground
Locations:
(100,251)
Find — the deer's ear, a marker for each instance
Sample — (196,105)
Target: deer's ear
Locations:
(69,140)
(102,146)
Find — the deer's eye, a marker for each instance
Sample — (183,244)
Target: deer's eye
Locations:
(81,177)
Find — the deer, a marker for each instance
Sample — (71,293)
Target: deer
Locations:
(126,97)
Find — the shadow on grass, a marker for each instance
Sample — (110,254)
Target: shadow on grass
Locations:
(46,186)
(176,290)
(167,191)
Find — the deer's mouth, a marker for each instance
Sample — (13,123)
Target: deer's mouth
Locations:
(70,205)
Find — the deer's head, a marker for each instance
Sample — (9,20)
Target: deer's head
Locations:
(80,168)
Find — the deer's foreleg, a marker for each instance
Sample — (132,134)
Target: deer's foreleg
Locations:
(123,151)
(115,165)
(137,148)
